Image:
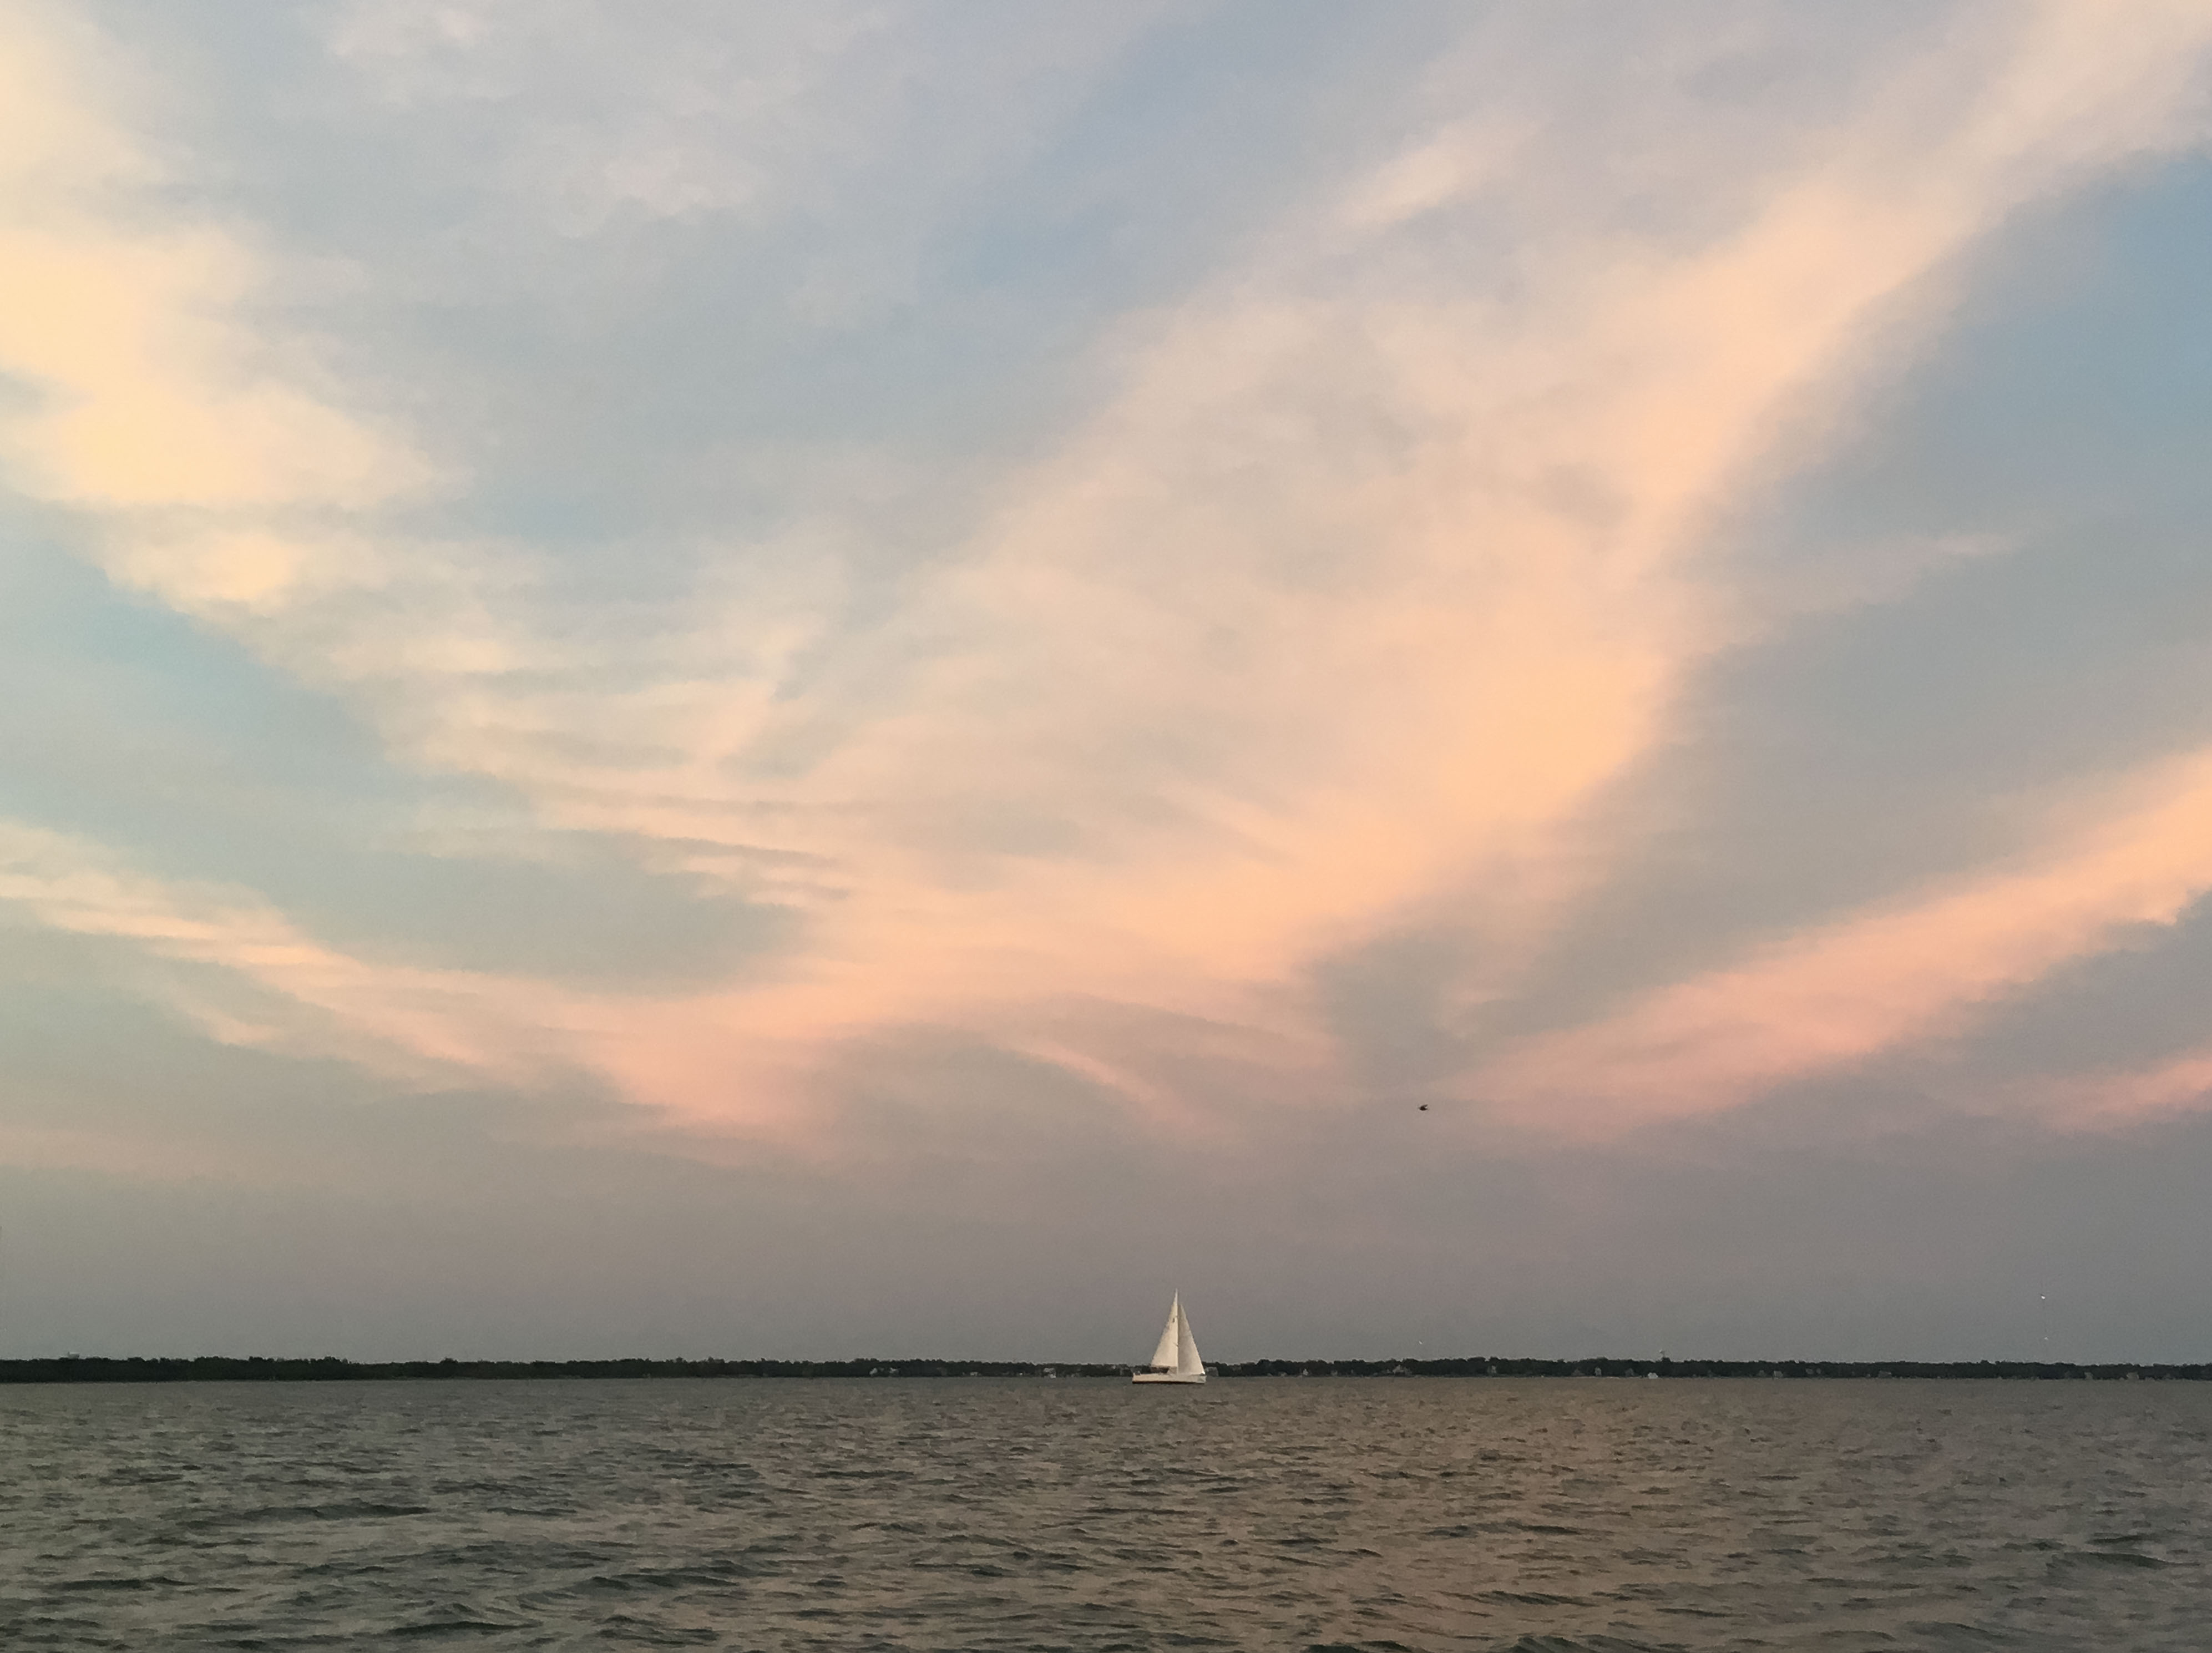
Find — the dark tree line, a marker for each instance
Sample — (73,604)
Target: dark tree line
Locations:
(82,1369)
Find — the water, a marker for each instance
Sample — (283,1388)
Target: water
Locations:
(1542,1516)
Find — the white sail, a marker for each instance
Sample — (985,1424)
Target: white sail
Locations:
(1187,1361)
(1175,1361)
(1165,1356)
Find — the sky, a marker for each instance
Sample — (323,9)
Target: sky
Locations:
(813,678)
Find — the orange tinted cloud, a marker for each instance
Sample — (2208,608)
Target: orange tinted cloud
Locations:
(1911,971)
(149,394)
(1350,604)
(1356,591)
(2119,1096)
(256,979)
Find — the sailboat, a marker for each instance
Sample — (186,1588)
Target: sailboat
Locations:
(1175,1361)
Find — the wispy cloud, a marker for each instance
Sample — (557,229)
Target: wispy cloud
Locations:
(236,968)
(1381,553)
(1913,971)
(2116,1098)
(1353,599)
(151,396)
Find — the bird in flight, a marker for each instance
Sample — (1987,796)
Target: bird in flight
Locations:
(1424,1107)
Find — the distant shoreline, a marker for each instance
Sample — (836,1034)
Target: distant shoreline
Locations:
(82,1369)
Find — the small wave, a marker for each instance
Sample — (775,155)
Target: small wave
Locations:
(657,1635)
(160,1581)
(1532,1526)
(428,1628)
(1945,1635)
(711,1573)
(2108,1558)
(275,1513)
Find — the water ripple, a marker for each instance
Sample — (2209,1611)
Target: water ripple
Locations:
(1500,1515)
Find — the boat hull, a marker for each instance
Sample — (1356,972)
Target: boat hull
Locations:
(1166,1377)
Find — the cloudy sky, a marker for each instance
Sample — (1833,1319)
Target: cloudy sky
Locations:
(817,677)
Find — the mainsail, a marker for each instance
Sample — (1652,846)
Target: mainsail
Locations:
(1164,1358)
(1187,1361)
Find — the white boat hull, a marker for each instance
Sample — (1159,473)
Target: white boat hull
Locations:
(1166,1377)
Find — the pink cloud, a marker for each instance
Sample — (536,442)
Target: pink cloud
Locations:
(1357,590)
(252,977)
(1912,970)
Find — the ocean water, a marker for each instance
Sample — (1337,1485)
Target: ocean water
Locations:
(1545,1516)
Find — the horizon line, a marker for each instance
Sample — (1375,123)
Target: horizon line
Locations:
(80,1367)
